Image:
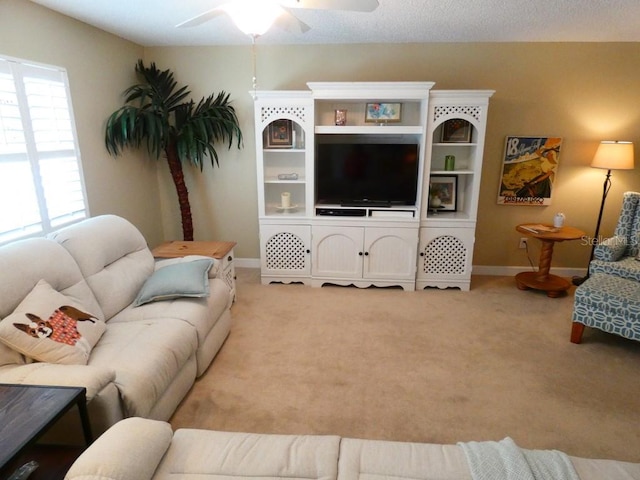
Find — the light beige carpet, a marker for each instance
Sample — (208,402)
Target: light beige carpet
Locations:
(436,366)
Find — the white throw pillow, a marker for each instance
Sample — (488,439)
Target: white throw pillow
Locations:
(50,327)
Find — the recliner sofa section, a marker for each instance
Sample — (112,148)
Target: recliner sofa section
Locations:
(149,356)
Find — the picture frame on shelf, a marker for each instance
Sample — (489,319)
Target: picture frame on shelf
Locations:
(456,130)
(445,188)
(280,134)
(383,112)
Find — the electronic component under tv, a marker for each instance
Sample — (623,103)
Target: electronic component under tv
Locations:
(361,174)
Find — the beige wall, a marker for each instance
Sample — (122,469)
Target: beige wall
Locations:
(582,92)
(100,67)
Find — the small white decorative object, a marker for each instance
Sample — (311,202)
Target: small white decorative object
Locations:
(558,220)
(285,200)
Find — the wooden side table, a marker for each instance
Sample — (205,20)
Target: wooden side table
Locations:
(222,251)
(542,280)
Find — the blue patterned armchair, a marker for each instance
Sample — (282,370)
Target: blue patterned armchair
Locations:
(617,255)
(609,299)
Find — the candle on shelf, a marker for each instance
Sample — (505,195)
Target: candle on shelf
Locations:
(286,199)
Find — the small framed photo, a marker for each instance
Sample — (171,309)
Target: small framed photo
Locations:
(383,112)
(280,134)
(456,130)
(445,188)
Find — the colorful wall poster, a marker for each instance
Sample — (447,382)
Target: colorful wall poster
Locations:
(529,170)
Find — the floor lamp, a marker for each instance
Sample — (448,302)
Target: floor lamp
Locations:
(609,156)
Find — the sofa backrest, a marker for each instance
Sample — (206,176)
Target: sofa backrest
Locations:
(23,264)
(628,226)
(113,257)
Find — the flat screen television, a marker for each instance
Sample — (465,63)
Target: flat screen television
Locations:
(360,174)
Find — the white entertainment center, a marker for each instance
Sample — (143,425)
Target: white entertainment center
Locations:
(333,207)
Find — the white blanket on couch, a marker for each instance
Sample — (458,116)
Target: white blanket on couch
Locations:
(504,460)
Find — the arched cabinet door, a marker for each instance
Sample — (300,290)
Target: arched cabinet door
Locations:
(337,252)
(390,253)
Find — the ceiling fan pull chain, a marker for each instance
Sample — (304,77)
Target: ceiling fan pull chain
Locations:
(253,61)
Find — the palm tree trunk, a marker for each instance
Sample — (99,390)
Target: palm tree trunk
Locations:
(175,167)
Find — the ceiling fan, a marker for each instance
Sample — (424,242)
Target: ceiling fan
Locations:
(255,17)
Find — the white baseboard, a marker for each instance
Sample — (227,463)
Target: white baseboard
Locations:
(506,271)
(493,270)
(247,262)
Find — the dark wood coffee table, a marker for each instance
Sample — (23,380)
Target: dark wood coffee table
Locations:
(27,412)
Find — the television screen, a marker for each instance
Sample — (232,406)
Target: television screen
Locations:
(358,174)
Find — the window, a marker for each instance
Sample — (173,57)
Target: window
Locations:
(41,187)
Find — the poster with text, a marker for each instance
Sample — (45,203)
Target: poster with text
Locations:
(529,170)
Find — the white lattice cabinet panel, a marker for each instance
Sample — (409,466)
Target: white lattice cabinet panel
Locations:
(364,256)
(445,257)
(285,253)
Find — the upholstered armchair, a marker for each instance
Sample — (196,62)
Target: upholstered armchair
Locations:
(617,255)
(609,299)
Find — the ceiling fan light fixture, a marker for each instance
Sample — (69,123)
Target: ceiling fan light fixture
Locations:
(253,17)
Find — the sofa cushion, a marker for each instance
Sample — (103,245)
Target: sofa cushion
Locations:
(113,257)
(130,450)
(375,459)
(51,327)
(147,356)
(212,454)
(189,279)
(201,313)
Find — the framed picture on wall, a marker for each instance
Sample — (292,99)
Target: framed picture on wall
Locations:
(529,170)
(280,134)
(456,130)
(445,189)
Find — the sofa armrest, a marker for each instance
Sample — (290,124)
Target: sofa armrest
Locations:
(130,450)
(214,272)
(610,249)
(93,378)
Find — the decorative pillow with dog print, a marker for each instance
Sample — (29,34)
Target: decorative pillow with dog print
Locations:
(50,327)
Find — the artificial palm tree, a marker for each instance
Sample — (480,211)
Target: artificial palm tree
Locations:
(157,115)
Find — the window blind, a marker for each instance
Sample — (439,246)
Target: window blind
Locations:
(41,185)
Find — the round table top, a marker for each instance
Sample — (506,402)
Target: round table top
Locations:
(556,234)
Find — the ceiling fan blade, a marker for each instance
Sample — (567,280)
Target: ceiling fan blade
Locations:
(353,5)
(202,18)
(289,22)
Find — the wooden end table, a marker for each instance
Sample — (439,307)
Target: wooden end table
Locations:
(27,412)
(554,285)
(222,251)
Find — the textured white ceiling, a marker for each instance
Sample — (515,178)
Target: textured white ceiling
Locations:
(152,22)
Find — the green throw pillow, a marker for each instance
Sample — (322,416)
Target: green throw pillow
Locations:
(188,279)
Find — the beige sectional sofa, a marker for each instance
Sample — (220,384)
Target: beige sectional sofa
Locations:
(142,449)
(146,357)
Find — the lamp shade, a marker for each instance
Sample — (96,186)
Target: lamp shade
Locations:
(614,156)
